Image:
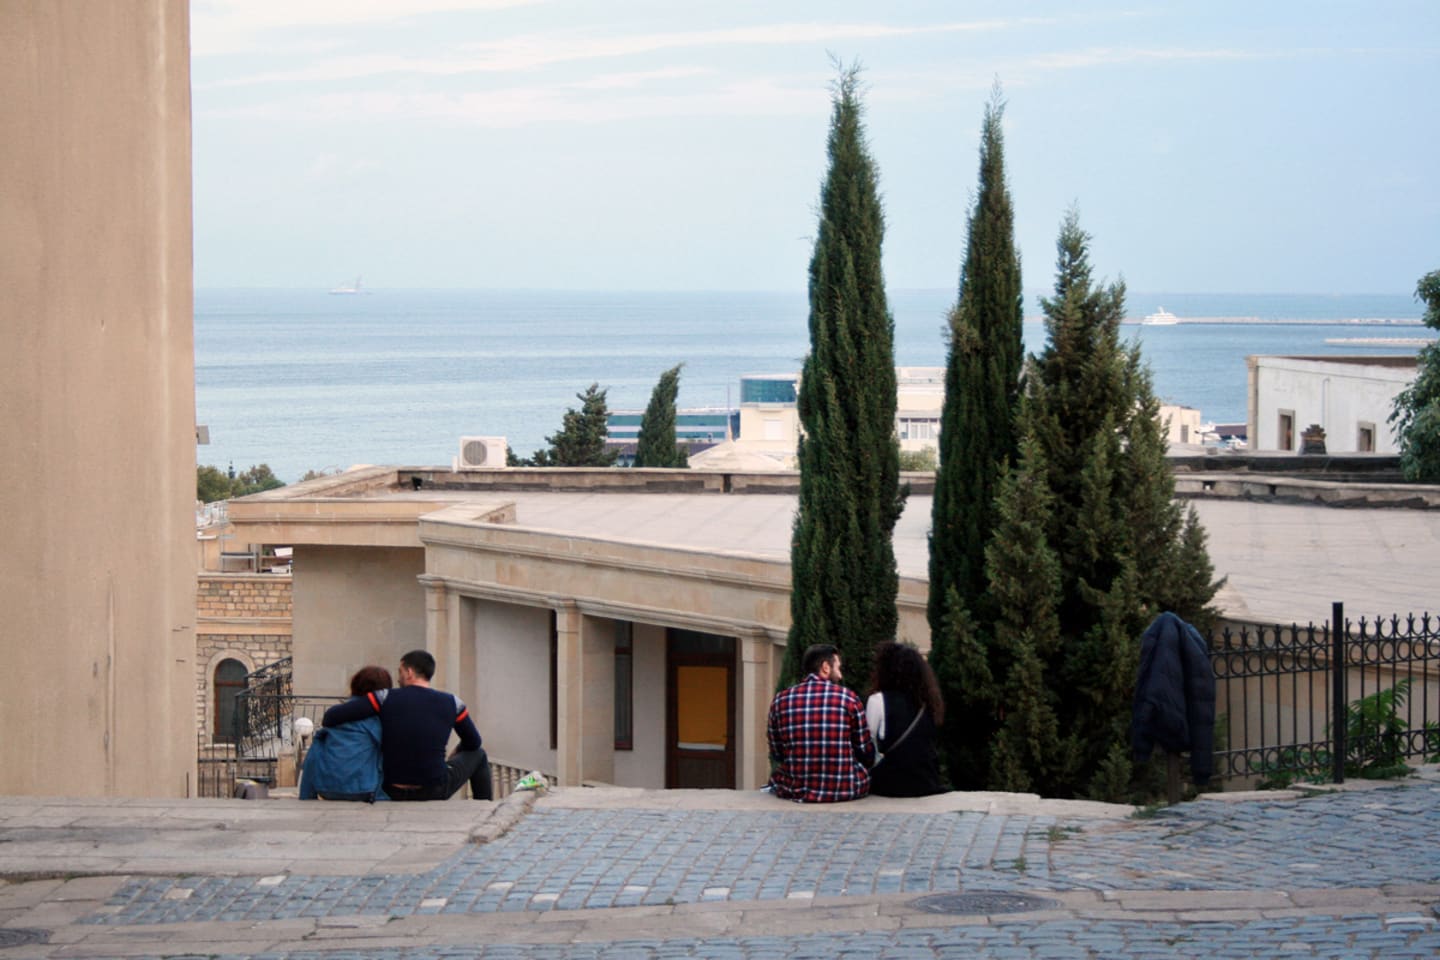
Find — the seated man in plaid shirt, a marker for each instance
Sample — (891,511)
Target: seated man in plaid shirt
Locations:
(819,741)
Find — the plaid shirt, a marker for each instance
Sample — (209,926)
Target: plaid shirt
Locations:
(819,742)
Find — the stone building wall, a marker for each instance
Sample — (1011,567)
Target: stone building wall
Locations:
(244,617)
(234,595)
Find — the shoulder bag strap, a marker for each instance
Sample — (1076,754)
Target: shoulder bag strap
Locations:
(920,713)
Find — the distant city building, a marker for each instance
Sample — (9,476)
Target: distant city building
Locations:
(769,418)
(1182,425)
(696,428)
(1350,398)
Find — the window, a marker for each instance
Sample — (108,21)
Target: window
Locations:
(774,429)
(624,685)
(919,428)
(767,389)
(229,681)
(1365,438)
(1285,440)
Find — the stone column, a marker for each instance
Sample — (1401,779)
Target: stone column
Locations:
(584,698)
(441,638)
(753,708)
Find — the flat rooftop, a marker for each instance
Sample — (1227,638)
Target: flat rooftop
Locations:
(1282,561)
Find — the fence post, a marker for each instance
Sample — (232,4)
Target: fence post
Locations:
(1338,746)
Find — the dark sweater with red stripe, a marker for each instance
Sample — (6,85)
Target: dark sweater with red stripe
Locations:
(415,725)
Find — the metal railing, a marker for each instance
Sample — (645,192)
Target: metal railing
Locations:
(1326,702)
(262,710)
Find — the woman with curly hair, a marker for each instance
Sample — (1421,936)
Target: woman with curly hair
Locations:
(903,712)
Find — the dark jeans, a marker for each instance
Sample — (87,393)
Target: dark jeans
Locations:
(471,765)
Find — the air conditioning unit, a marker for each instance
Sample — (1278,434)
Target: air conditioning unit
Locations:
(481,453)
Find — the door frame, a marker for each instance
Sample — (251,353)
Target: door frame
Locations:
(675,659)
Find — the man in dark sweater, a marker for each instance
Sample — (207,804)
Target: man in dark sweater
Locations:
(415,725)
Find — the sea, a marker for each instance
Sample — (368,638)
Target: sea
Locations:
(306,380)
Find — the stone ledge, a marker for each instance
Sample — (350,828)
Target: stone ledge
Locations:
(504,817)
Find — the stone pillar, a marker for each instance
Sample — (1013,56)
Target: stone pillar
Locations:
(754,707)
(584,698)
(441,638)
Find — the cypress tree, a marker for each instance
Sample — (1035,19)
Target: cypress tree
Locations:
(1124,549)
(657,446)
(1025,574)
(844,578)
(977,441)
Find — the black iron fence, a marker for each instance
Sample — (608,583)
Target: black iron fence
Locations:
(265,715)
(1326,702)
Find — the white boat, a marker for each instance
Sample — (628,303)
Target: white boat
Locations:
(1161,318)
(348,289)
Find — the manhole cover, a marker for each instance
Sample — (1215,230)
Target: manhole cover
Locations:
(19,936)
(980,903)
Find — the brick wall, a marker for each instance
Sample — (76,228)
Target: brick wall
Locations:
(232,595)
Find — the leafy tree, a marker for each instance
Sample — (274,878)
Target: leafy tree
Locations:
(977,437)
(256,479)
(1123,548)
(212,484)
(1416,414)
(924,459)
(581,439)
(844,578)
(657,446)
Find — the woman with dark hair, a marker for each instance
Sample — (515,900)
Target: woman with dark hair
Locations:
(343,763)
(903,712)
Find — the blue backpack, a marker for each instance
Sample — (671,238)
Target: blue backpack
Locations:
(344,763)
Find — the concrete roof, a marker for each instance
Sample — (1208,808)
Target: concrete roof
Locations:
(1288,545)
(1284,562)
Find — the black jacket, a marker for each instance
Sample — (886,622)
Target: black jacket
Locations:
(1175,695)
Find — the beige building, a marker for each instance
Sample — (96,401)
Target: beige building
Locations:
(97,553)
(598,631)
(1182,425)
(601,630)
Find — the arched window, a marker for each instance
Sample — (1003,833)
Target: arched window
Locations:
(229,681)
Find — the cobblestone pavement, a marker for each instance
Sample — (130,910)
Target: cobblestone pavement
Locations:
(1353,839)
(1350,874)
(569,859)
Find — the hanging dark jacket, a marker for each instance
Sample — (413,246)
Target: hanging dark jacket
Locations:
(1175,695)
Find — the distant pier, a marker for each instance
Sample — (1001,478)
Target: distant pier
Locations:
(1297,321)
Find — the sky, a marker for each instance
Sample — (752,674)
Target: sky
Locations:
(1256,147)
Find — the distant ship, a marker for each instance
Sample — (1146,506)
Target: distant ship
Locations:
(348,289)
(1160,318)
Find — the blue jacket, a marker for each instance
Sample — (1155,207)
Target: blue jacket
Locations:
(344,763)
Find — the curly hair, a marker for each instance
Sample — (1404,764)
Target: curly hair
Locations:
(368,680)
(901,668)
